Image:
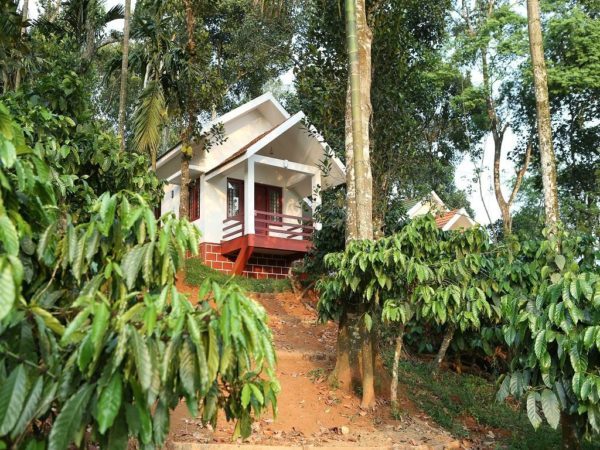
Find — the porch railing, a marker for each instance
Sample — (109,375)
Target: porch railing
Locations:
(233,227)
(271,224)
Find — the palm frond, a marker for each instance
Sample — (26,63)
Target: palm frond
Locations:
(114,13)
(148,119)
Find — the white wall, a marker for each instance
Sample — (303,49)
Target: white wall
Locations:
(170,202)
(239,132)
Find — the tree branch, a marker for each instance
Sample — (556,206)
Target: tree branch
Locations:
(520,174)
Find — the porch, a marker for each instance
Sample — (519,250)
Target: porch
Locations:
(269,206)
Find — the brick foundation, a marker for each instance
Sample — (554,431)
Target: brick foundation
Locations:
(258,266)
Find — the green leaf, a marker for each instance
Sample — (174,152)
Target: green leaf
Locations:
(99,326)
(551,408)
(246,394)
(30,408)
(560,261)
(213,354)
(8,293)
(109,403)
(12,396)
(142,359)
(131,264)
(540,344)
(69,420)
(9,236)
(148,259)
(160,424)
(74,326)
(187,368)
(49,320)
(532,412)
(368,322)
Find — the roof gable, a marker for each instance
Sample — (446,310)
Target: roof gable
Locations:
(266,103)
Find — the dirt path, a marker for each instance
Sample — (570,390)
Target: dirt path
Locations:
(310,412)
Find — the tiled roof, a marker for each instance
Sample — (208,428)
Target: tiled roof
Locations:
(242,150)
(444,218)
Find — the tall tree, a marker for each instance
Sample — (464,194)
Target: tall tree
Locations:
(360,223)
(490,35)
(124,75)
(544,125)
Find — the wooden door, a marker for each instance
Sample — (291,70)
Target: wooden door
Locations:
(260,204)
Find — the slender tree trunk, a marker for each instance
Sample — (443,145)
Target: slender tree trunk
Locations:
(395,367)
(351,226)
(342,373)
(570,432)
(362,163)
(498,132)
(444,347)
(90,32)
(544,125)
(124,75)
(186,144)
(24,17)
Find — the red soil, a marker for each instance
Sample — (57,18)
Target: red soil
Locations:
(310,412)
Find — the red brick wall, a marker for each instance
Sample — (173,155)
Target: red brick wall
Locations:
(259,265)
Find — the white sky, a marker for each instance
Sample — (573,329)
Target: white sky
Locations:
(464,171)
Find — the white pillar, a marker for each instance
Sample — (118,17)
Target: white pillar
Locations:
(203,206)
(316,190)
(249,197)
(315,183)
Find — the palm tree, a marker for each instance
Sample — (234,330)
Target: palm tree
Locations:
(124,74)
(85,21)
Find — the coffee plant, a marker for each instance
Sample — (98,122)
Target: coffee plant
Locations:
(97,345)
(551,316)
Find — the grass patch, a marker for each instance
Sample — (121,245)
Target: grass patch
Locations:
(196,272)
(450,398)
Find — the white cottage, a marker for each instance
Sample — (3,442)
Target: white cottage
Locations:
(445,218)
(253,196)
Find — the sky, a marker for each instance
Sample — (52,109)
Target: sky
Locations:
(464,172)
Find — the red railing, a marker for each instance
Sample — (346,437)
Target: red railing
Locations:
(271,224)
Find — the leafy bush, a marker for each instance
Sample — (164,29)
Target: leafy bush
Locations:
(420,272)
(551,314)
(96,343)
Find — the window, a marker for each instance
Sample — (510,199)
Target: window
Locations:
(274,202)
(235,197)
(194,199)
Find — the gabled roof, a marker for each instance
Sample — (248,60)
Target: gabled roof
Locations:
(242,150)
(227,117)
(442,219)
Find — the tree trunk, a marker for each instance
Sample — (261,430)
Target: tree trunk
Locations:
(570,431)
(342,373)
(186,144)
(90,32)
(351,227)
(498,131)
(542,106)
(443,348)
(124,75)
(24,17)
(359,38)
(362,163)
(368,372)
(395,367)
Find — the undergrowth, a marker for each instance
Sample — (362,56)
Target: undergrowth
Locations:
(196,272)
(452,399)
